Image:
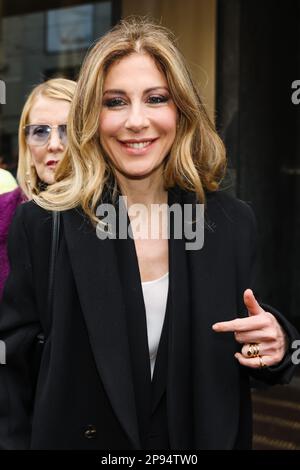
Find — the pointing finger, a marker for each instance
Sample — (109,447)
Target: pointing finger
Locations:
(237,325)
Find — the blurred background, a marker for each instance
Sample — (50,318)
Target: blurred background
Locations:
(245,55)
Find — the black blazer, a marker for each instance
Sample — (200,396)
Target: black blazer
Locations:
(93,389)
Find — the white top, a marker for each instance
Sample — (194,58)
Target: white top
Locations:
(155,300)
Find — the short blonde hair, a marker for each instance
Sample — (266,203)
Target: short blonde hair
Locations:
(197,157)
(56,88)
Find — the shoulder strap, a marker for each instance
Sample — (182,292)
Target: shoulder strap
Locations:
(53,254)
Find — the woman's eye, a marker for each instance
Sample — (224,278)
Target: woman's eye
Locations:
(157,99)
(40,131)
(114,102)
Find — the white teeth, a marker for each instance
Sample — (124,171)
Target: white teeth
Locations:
(137,145)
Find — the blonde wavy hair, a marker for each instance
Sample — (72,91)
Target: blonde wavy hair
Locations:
(197,157)
(56,88)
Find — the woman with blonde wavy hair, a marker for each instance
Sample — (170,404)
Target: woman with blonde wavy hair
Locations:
(40,148)
(153,260)
(40,151)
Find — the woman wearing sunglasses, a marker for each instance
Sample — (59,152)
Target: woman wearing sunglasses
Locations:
(43,133)
(42,141)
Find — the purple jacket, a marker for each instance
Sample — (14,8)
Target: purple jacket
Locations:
(8,204)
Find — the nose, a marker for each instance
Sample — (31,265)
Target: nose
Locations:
(137,118)
(54,142)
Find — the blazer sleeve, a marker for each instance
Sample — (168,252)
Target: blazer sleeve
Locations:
(283,372)
(19,327)
(246,246)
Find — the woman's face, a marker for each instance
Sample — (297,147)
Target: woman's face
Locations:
(45,157)
(138,117)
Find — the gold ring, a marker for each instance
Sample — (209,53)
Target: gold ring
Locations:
(261,362)
(253,350)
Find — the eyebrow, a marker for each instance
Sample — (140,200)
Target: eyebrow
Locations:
(122,92)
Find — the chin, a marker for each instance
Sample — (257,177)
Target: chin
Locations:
(48,179)
(139,173)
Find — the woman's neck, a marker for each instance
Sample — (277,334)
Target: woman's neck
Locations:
(144,191)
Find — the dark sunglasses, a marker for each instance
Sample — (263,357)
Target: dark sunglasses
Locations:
(38,134)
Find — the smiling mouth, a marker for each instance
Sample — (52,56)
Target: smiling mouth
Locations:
(137,145)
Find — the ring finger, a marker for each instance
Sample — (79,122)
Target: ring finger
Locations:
(250,350)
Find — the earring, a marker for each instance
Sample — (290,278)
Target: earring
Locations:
(27,179)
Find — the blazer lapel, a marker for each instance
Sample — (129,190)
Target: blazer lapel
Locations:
(179,397)
(173,356)
(96,276)
(137,331)
(176,320)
